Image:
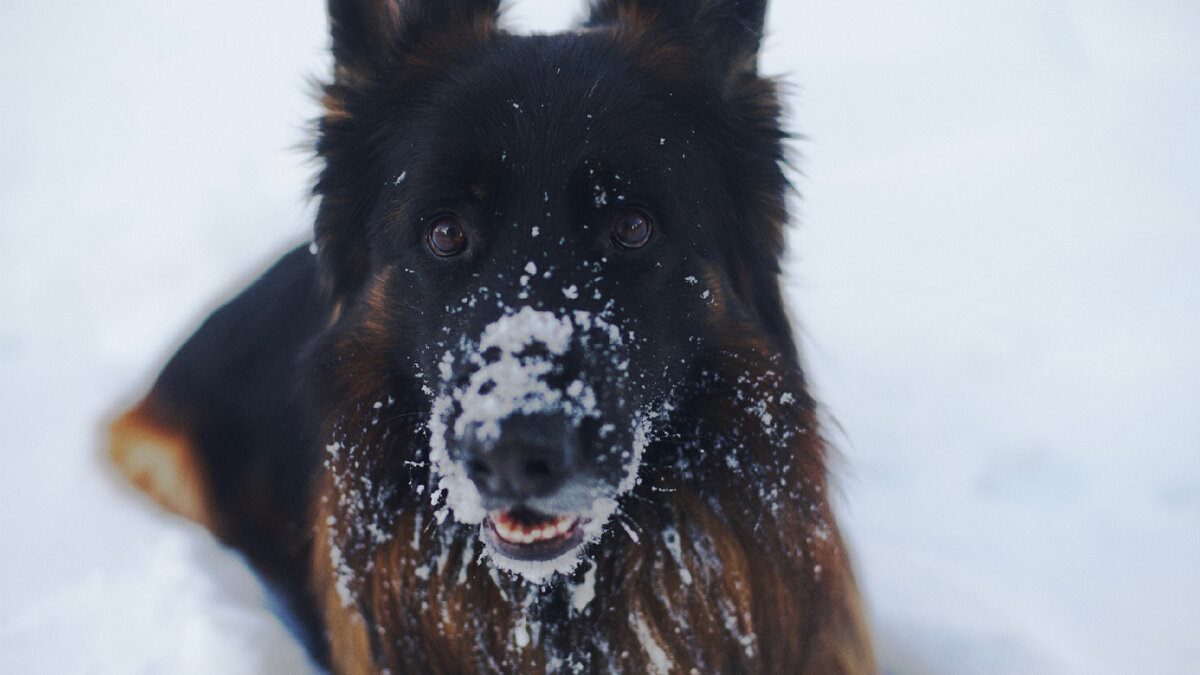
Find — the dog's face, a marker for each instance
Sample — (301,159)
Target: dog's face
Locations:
(539,237)
(547,243)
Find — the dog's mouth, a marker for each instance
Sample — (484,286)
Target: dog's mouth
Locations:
(527,535)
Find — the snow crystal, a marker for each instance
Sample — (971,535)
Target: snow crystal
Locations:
(511,382)
(584,592)
(633,535)
(513,332)
(462,497)
(671,539)
(659,661)
(505,379)
(521,633)
(342,574)
(416,540)
(499,389)
(446,367)
(504,383)
(641,434)
(378,534)
(583,320)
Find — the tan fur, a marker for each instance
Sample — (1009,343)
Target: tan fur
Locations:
(349,643)
(160,460)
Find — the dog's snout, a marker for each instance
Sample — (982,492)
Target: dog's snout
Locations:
(516,471)
(531,459)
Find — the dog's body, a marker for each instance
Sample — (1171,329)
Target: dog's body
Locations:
(535,403)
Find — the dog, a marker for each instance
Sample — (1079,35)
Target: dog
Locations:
(530,401)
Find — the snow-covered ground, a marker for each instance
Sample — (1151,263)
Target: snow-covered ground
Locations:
(997,275)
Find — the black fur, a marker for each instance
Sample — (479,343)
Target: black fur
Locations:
(319,399)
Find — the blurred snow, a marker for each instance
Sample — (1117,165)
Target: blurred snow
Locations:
(997,273)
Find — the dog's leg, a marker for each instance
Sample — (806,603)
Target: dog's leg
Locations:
(225,436)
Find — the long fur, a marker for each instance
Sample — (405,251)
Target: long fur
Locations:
(296,423)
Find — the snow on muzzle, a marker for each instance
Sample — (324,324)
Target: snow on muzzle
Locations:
(534,438)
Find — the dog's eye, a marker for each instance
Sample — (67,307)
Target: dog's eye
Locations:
(632,228)
(446,236)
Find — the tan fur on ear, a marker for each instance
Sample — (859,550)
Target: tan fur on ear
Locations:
(159,459)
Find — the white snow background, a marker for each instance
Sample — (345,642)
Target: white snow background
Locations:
(997,274)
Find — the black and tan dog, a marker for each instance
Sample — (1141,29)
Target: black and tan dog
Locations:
(531,402)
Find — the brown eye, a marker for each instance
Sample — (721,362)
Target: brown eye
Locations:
(446,236)
(632,228)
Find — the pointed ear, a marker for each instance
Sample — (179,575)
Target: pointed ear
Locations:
(380,47)
(728,31)
(370,35)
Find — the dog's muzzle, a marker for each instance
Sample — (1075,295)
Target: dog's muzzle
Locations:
(531,460)
(518,442)
(528,482)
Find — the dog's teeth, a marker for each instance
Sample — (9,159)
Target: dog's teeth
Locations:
(515,532)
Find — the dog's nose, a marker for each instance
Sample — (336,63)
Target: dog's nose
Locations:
(530,459)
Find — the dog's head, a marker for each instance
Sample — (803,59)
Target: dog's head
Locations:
(534,240)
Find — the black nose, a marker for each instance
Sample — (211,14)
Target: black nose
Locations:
(530,459)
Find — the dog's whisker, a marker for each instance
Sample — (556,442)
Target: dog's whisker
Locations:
(411,417)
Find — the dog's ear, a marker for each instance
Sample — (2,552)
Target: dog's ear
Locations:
(709,48)
(728,31)
(371,36)
(380,49)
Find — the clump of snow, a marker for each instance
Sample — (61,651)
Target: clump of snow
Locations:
(342,573)
(584,592)
(505,381)
(458,491)
(512,382)
(670,537)
(660,662)
(506,378)
(513,332)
